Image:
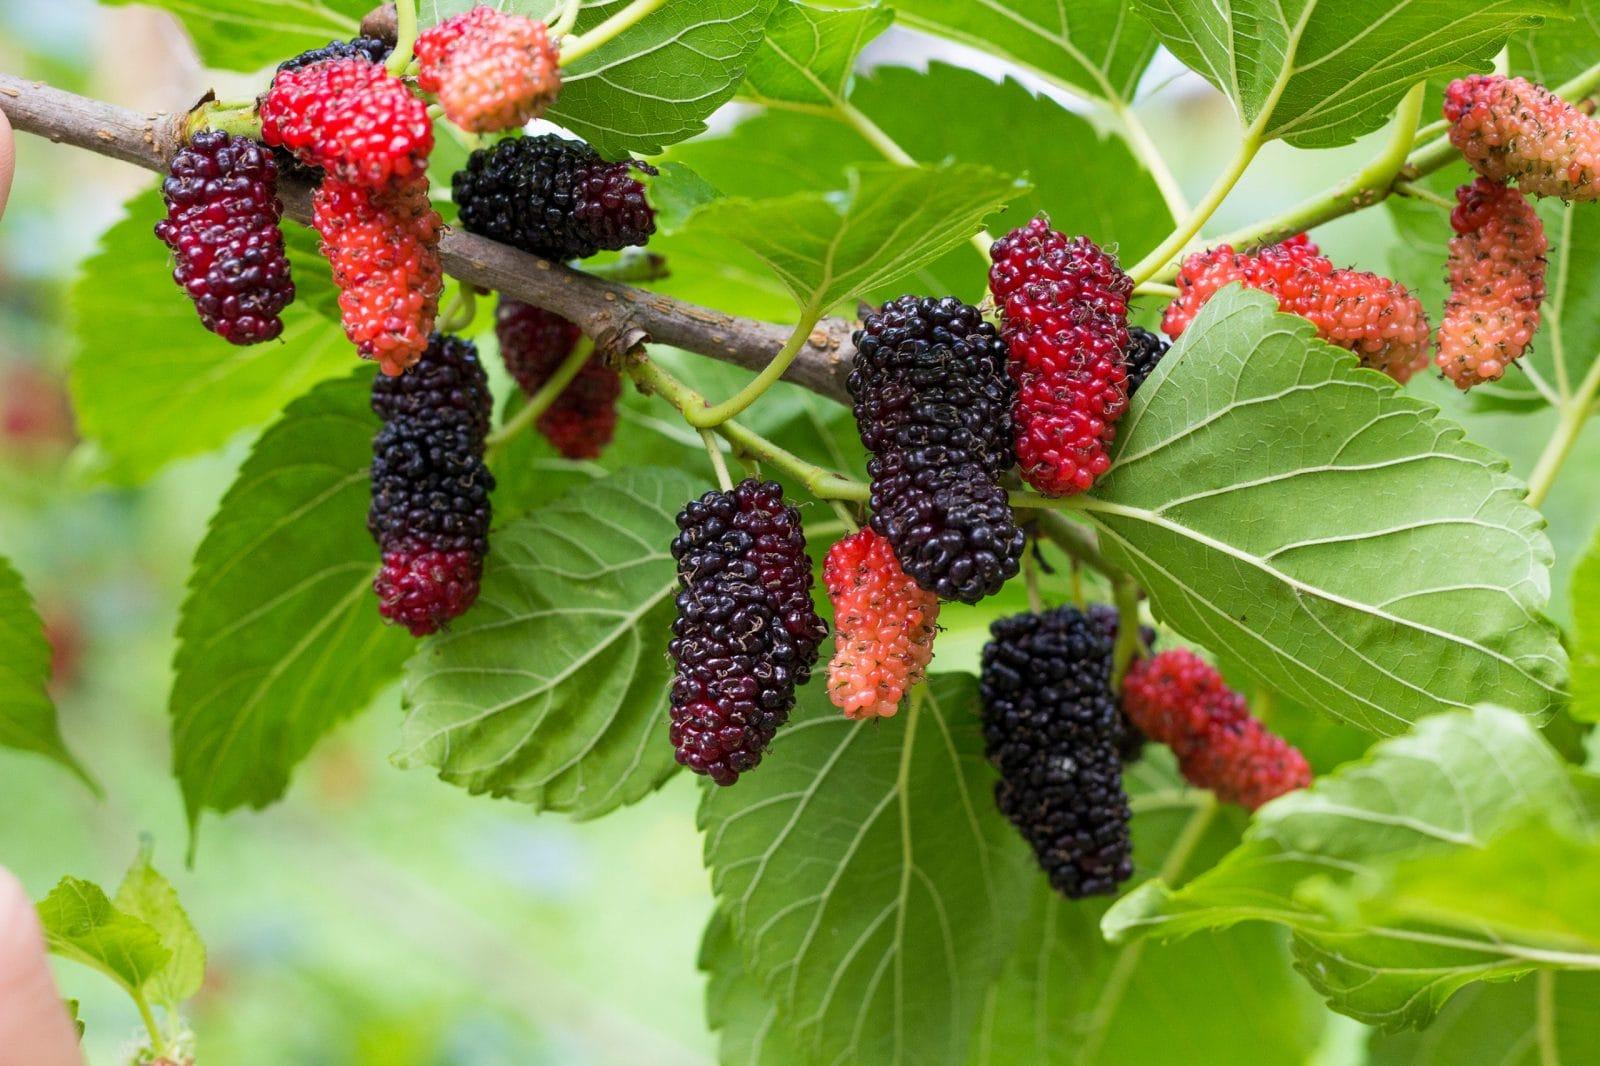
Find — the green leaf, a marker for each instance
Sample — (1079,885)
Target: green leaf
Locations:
(892,219)
(870,883)
(1585,705)
(149,897)
(809,54)
(150,385)
(1346,589)
(27,714)
(81,924)
(251,34)
(1543,1020)
(1321,862)
(656,83)
(1319,73)
(749,1030)
(280,638)
(676,192)
(1560,49)
(553,690)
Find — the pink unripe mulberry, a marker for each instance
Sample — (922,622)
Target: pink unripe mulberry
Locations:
(884,627)
(491,70)
(1511,129)
(1496,283)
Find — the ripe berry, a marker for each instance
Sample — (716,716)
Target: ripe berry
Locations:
(1145,350)
(1511,129)
(1064,309)
(1496,283)
(349,117)
(746,633)
(369,48)
(383,246)
(491,71)
(222,226)
(932,404)
(535,342)
(553,197)
(430,488)
(884,627)
(1377,319)
(1179,699)
(1051,728)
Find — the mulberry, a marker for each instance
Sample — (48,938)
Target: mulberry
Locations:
(581,421)
(885,627)
(1510,129)
(349,117)
(746,633)
(370,49)
(430,488)
(932,404)
(1145,350)
(222,226)
(1180,700)
(1377,319)
(1050,727)
(491,71)
(553,197)
(383,246)
(1496,283)
(1064,310)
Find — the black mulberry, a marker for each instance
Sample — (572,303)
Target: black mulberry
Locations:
(1145,350)
(369,48)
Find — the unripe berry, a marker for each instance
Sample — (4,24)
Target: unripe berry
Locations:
(884,627)
(1496,283)
(491,71)
(1510,129)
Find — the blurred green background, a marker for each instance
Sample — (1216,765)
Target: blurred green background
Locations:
(377,916)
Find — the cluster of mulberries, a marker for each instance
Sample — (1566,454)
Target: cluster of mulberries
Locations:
(1496,283)
(746,633)
(1510,129)
(383,247)
(883,627)
(932,404)
(430,487)
(554,197)
(491,71)
(1180,700)
(1064,313)
(1052,730)
(1377,319)
(1145,350)
(349,117)
(534,342)
(222,226)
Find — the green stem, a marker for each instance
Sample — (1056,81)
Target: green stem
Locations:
(714,451)
(540,401)
(462,310)
(1151,266)
(405,36)
(158,1042)
(1030,579)
(241,120)
(1154,288)
(845,516)
(711,417)
(569,15)
(1071,537)
(1573,414)
(575,48)
(1417,192)
(1126,594)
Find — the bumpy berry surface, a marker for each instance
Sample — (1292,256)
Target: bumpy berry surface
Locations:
(369,48)
(932,403)
(1179,699)
(491,71)
(1050,726)
(1377,319)
(883,623)
(430,488)
(746,633)
(553,197)
(1496,283)
(352,118)
(1145,350)
(222,226)
(535,342)
(1064,309)
(383,246)
(1511,129)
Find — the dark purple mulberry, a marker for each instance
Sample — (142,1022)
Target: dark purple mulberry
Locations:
(1050,726)
(554,197)
(222,226)
(430,488)
(1145,350)
(932,403)
(369,48)
(535,342)
(746,634)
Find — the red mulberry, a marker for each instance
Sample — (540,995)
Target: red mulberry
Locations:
(884,627)
(383,246)
(222,226)
(1180,700)
(349,117)
(1496,283)
(1510,129)
(535,342)
(746,634)
(491,71)
(1064,308)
